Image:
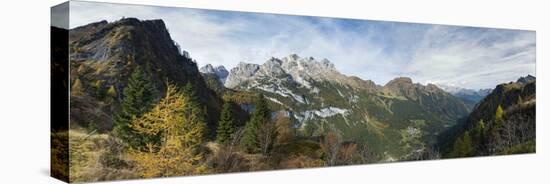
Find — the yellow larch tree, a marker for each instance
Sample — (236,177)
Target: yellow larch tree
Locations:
(181,134)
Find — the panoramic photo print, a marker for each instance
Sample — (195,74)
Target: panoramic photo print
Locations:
(166,91)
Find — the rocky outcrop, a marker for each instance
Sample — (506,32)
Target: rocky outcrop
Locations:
(219,71)
(242,72)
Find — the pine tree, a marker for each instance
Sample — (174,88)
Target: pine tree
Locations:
(260,115)
(189,91)
(462,146)
(181,133)
(138,97)
(194,105)
(225,125)
(479,135)
(467,149)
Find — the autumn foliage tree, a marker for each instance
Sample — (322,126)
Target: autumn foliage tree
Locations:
(348,154)
(499,113)
(284,128)
(267,133)
(77,88)
(330,144)
(181,132)
(495,133)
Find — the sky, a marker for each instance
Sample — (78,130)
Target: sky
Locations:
(465,57)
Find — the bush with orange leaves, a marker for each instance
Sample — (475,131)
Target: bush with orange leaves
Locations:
(336,152)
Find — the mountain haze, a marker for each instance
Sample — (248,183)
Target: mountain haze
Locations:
(470,96)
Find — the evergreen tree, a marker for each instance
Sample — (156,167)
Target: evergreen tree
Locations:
(479,135)
(260,115)
(225,125)
(189,91)
(138,97)
(462,146)
(193,105)
(467,148)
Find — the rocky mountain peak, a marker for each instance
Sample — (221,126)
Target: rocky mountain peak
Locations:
(221,68)
(241,73)
(526,79)
(272,66)
(308,62)
(301,69)
(219,71)
(208,68)
(327,63)
(400,81)
(432,87)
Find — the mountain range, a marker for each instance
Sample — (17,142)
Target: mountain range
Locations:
(469,96)
(320,98)
(397,120)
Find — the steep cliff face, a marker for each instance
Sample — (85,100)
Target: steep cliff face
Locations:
(103,55)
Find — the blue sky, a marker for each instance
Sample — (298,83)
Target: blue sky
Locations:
(376,50)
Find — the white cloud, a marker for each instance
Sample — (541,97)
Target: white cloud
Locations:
(470,57)
(477,58)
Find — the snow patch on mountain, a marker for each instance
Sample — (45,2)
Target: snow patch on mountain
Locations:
(324,113)
(280,91)
(275,100)
(340,93)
